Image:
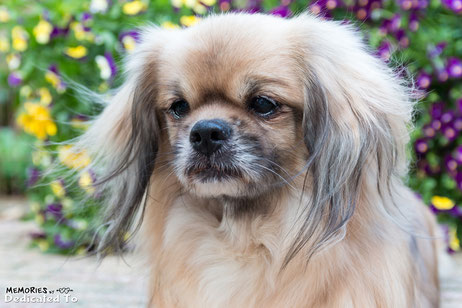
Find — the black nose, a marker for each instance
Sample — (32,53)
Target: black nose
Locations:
(207,136)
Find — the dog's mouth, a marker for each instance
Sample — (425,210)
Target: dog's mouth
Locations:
(212,172)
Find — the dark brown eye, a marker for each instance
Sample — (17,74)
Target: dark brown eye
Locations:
(263,106)
(179,109)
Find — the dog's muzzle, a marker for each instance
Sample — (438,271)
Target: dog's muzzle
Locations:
(208,136)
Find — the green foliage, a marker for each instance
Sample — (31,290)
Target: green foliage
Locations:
(15,158)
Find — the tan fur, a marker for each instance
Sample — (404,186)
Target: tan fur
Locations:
(203,255)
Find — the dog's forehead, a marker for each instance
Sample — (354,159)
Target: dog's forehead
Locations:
(222,56)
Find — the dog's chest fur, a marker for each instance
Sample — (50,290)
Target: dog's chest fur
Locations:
(202,261)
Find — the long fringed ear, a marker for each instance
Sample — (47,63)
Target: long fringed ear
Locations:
(355,123)
(123,143)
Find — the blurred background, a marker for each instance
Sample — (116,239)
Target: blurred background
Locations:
(47,46)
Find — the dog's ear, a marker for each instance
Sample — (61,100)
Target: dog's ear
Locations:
(123,143)
(355,124)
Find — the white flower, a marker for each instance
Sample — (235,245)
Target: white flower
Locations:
(104,67)
(99,6)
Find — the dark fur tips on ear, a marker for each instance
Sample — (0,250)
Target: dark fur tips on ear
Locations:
(335,166)
(126,177)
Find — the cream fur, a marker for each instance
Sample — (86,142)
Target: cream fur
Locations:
(200,253)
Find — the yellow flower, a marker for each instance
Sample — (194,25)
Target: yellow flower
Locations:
(55,81)
(41,157)
(80,33)
(77,52)
(26,91)
(43,245)
(4,44)
(13,60)
(129,43)
(39,220)
(454,242)
(82,251)
(45,96)
(79,123)
(197,5)
(42,31)
(36,120)
(134,7)
(189,21)
(442,203)
(4,14)
(72,159)
(19,36)
(67,203)
(86,182)
(169,25)
(209,2)
(200,9)
(35,207)
(79,30)
(58,189)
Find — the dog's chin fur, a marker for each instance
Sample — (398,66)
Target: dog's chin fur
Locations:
(232,188)
(303,208)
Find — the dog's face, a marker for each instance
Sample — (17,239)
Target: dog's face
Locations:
(241,104)
(232,109)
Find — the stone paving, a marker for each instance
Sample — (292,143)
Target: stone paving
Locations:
(114,282)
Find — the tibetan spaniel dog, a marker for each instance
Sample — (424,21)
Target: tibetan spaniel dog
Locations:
(263,159)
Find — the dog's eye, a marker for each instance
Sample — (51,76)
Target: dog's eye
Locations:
(179,109)
(263,106)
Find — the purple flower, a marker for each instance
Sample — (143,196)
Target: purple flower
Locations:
(456,211)
(421,4)
(59,32)
(224,5)
(405,4)
(454,67)
(384,50)
(458,154)
(33,175)
(454,5)
(458,179)
(436,110)
(413,22)
(429,169)
(459,105)
(429,131)
(449,132)
(424,80)
(402,38)
(447,117)
(364,8)
(37,235)
(61,243)
(450,164)
(86,17)
(395,23)
(281,11)
(253,6)
(442,74)
(435,51)
(458,124)
(14,79)
(56,210)
(421,146)
(383,28)
(436,124)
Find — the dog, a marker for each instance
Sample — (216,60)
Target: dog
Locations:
(264,160)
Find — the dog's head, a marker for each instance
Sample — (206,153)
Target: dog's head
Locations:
(240,104)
